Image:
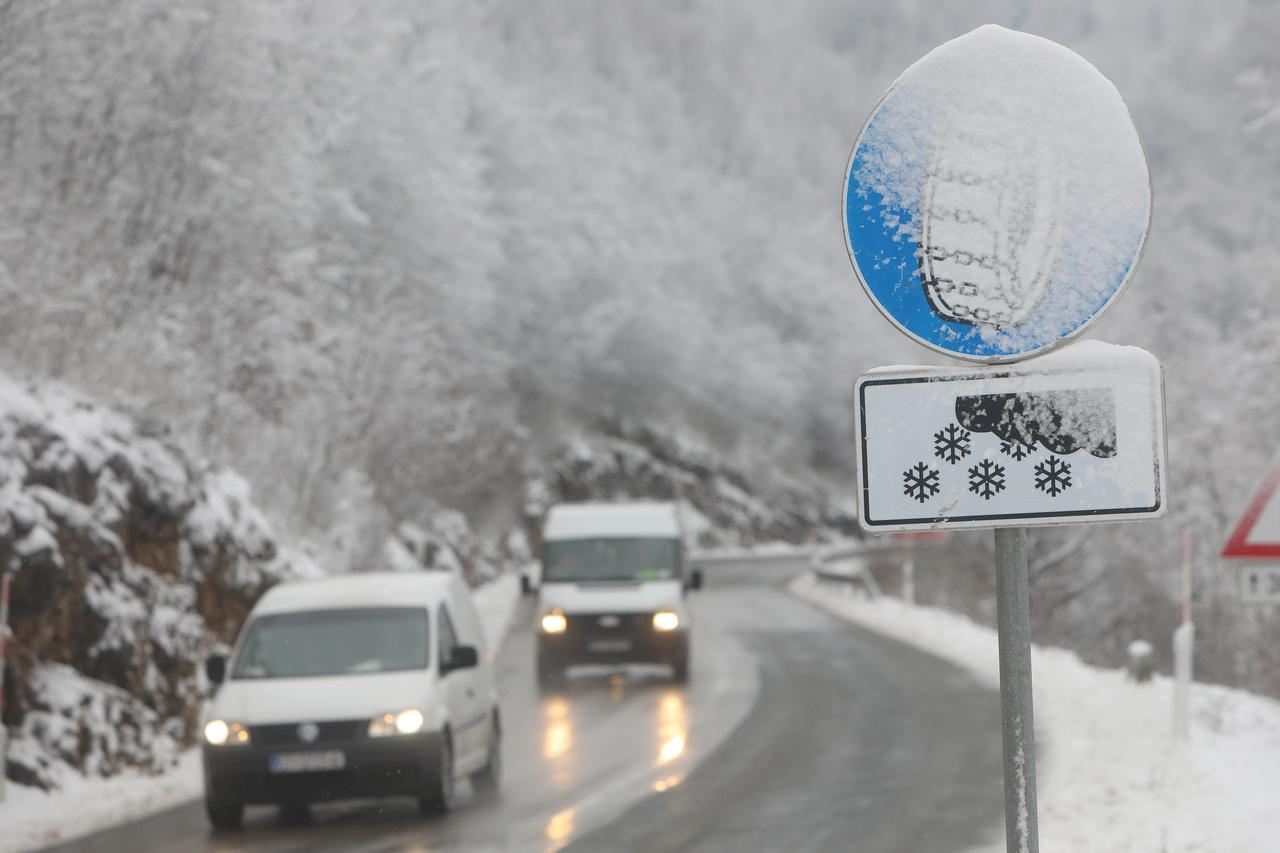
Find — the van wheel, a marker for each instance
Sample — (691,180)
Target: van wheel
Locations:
(439,796)
(680,665)
(488,779)
(680,669)
(551,677)
(224,815)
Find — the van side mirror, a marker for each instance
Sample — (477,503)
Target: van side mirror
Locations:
(463,657)
(526,585)
(215,668)
(695,579)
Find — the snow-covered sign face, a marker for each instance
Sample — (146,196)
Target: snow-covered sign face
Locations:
(1074,437)
(998,199)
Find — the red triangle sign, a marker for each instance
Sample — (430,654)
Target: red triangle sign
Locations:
(1257,534)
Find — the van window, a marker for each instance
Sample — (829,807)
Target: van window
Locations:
(611,560)
(334,642)
(446,637)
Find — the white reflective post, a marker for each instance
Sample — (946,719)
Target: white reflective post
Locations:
(1184,645)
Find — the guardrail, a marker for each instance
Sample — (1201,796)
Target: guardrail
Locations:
(844,565)
(720,558)
(840,563)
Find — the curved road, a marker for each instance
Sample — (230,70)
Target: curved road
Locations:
(798,732)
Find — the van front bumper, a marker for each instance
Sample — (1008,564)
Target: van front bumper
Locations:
(372,767)
(632,639)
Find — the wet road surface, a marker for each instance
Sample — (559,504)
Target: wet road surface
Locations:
(797,732)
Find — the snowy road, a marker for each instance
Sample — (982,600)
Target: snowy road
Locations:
(798,732)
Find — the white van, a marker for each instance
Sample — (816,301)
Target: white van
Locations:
(364,685)
(613,589)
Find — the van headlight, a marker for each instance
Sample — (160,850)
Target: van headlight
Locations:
(407,722)
(222,733)
(554,623)
(665,620)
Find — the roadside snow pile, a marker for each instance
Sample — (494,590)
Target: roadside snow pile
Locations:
(1112,780)
(722,507)
(496,603)
(33,819)
(130,565)
(447,543)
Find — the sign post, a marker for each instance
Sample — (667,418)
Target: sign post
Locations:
(6,583)
(1018,726)
(992,217)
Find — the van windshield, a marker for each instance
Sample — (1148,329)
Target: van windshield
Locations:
(578,560)
(334,642)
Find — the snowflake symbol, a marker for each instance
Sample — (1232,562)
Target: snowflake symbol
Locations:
(920,482)
(1053,476)
(1016,449)
(951,443)
(986,479)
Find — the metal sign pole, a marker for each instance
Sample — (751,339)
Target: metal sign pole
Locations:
(937,447)
(1013,618)
(6,581)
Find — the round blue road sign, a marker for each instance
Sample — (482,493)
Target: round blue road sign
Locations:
(998,199)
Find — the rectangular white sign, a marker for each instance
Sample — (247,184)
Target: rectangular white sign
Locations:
(1260,584)
(1060,440)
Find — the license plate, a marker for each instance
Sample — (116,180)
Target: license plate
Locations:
(308,762)
(609,646)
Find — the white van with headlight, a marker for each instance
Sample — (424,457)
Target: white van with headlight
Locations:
(364,685)
(613,589)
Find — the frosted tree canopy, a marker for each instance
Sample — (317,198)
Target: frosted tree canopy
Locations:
(998,198)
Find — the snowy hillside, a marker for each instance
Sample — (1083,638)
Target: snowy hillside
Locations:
(721,505)
(383,259)
(131,564)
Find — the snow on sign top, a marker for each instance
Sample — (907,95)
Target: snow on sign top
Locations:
(997,200)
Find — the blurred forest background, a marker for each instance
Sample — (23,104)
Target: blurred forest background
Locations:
(380,256)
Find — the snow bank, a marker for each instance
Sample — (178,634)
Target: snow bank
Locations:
(1112,779)
(32,818)
(496,602)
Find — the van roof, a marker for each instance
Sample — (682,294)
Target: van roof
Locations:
(365,589)
(611,521)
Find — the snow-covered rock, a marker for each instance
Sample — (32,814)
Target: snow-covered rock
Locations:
(130,564)
(722,506)
(446,542)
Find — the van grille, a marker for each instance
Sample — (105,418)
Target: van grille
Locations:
(284,734)
(609,623)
